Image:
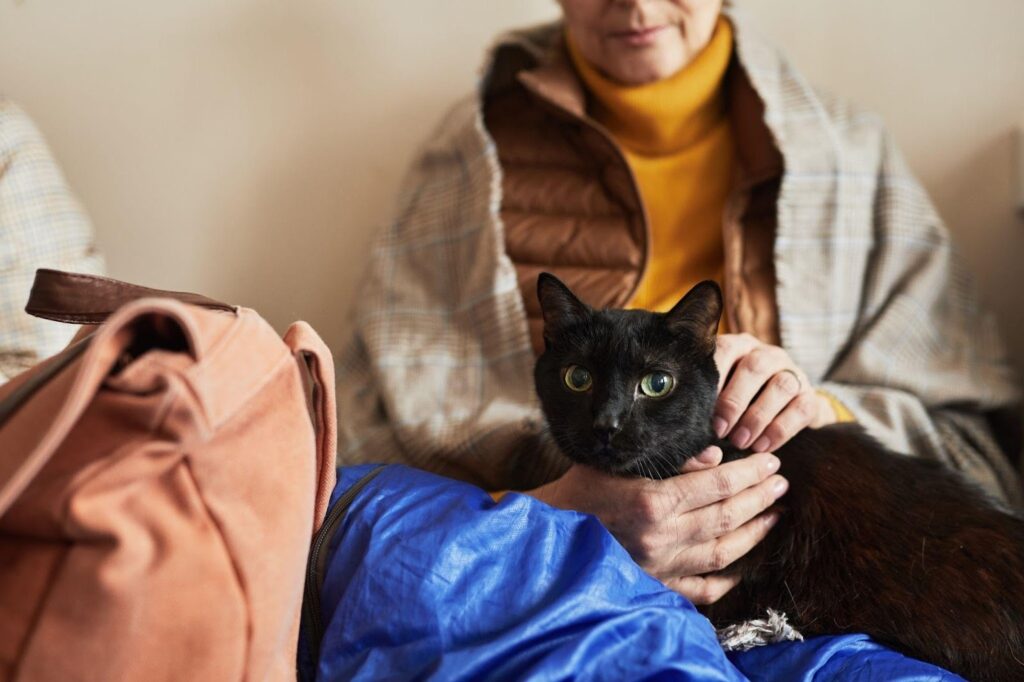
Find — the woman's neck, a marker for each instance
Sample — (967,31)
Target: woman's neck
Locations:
(669,115)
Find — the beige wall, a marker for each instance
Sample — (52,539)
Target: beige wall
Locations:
(248,148)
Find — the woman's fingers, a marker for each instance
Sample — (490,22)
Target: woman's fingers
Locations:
(729,349)
(700,488)
(776,396)
(712,557)
(710,457)
(704,589)
(720,553)
(751,374)
(721,519)
(798,415)
(764,398)
(682,526)
(657,522)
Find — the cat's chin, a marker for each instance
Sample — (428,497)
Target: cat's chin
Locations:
(642,467)
(625,464)
(608,460)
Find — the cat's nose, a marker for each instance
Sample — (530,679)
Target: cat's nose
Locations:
(605,429)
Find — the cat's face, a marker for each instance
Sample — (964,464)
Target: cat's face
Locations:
(627,391)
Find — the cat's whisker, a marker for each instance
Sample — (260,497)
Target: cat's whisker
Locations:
(652,464)
(655,476)
(666,459)
(647,468)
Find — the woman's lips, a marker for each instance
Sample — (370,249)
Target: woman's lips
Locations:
(639,37)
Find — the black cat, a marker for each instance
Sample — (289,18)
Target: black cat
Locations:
(870,541)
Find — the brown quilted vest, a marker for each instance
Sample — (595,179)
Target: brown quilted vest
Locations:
(571,206)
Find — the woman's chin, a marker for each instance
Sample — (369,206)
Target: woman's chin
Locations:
(643,66)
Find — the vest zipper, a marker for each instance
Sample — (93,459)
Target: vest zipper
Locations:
(317,559)
(623,162)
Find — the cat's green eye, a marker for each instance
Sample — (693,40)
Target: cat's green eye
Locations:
(578,379)
(657,384)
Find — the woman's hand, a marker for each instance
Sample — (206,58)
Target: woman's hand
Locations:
(767,399)
(682,530)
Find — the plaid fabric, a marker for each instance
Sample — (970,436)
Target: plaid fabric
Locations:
(872,302)
(41,225)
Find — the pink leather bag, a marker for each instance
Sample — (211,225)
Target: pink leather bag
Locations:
(160,483)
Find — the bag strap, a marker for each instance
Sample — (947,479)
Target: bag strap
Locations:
(91,299)
(316,360)
(10,403)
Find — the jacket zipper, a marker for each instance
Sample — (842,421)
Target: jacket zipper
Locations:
(606,136)
(317,560)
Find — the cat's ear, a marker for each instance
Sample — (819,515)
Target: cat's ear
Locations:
(697,314)
(558,304)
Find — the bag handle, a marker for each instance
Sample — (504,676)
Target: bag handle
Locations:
(91,299)
(316,360)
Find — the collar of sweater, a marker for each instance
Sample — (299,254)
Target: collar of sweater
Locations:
(669,115)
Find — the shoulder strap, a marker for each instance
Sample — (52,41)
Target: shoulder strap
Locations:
(91,299)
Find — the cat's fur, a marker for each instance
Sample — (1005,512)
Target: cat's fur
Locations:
(869,541)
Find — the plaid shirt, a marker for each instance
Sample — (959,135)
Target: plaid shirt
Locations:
(41,225)
(872,302)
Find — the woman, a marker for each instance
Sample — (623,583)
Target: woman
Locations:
(633,149)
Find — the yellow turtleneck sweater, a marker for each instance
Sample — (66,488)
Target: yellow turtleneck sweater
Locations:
(679,144)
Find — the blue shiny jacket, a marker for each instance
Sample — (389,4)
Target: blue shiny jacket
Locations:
(420,577)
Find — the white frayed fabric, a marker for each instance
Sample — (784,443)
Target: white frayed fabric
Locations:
(752,633)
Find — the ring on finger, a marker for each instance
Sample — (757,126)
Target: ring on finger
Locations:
(799,382)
